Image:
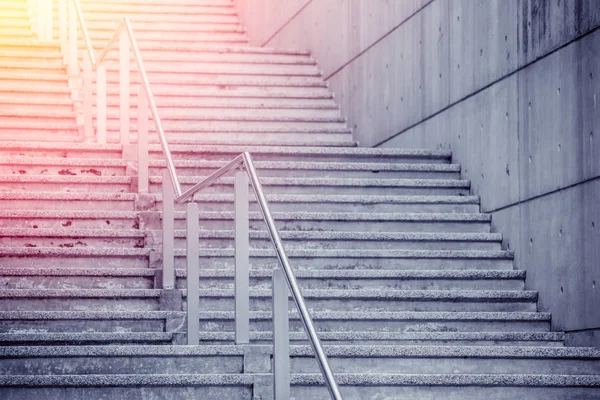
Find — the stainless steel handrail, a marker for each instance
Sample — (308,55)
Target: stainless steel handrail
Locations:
(245,160)
(125,23)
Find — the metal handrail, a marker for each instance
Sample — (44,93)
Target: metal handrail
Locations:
(126,23)
(245,160)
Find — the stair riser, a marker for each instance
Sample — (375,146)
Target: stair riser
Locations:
(98,36)
(369,283)
(239,123)
(123,365)
(75,223)
(341,207)
(23,88)
(228,156)
(48,99)
(52,153)
(169,55)
(392,326)
(207,392)
(72,325)
(454,365)
(228,90)
(345,244)
(41,135)
(72,242)
(338,190)
(75,282)
(33,109)
(62,170)
(170,17)
(165,103)
(316,173)
(377,263)
(64,205)
(396,342)
(74,262)
(190,114)
(227,304)
(78,304)
(65,187)
(245,138)
(450,392)
(364,226)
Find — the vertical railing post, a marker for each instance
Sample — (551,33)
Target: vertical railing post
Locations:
(281,337)
(88,120)
(193,276)
(62,22)
(124,90)
(142,128)
(41,26)
(49,18)
(73,60)
(168,233)
(242,259)
(101,104)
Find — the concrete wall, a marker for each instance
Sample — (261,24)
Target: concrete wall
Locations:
(511,86)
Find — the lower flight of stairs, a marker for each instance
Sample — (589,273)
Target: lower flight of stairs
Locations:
(410,291)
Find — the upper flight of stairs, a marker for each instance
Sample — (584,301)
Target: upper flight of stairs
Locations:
(410,290)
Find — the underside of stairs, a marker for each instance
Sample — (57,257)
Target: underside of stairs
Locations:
(411,292)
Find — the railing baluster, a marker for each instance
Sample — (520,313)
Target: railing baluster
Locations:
(193,276)
(242,259)
(62,22)
(49,18)
(168,233)
(143,113)
(281,337)
(101,104)
(73,49)
(124,90)
(88,120)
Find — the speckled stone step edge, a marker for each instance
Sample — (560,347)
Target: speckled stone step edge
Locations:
(119,294)
(326,166)
(29,42)
(80,196)
(59,214)
(362,274)
(88,315)
(378,294)
(100,337)
(353,253)
(128,380)
(346,182)
(400,336)
(73,252)
(267,273)
(66,179)
(333,198)
(485,380)
(19,145)
(72,233)
(292,253)
(482,316)
(336,235)
(45,114)
(514,352)
(340,216)
(69,162)
(87,272)
(351,151)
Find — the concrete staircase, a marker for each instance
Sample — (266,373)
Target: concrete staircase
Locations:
(410,291)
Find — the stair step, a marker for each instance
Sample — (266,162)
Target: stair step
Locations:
(72,238)
(88,338)
(67,201)
(381,300)
(62,166)
(402,338)
(65,183)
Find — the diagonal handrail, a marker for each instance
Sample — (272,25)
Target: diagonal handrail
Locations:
(245,160)
(126,25)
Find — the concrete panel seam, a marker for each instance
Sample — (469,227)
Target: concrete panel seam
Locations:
(489,85)
(286,23)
